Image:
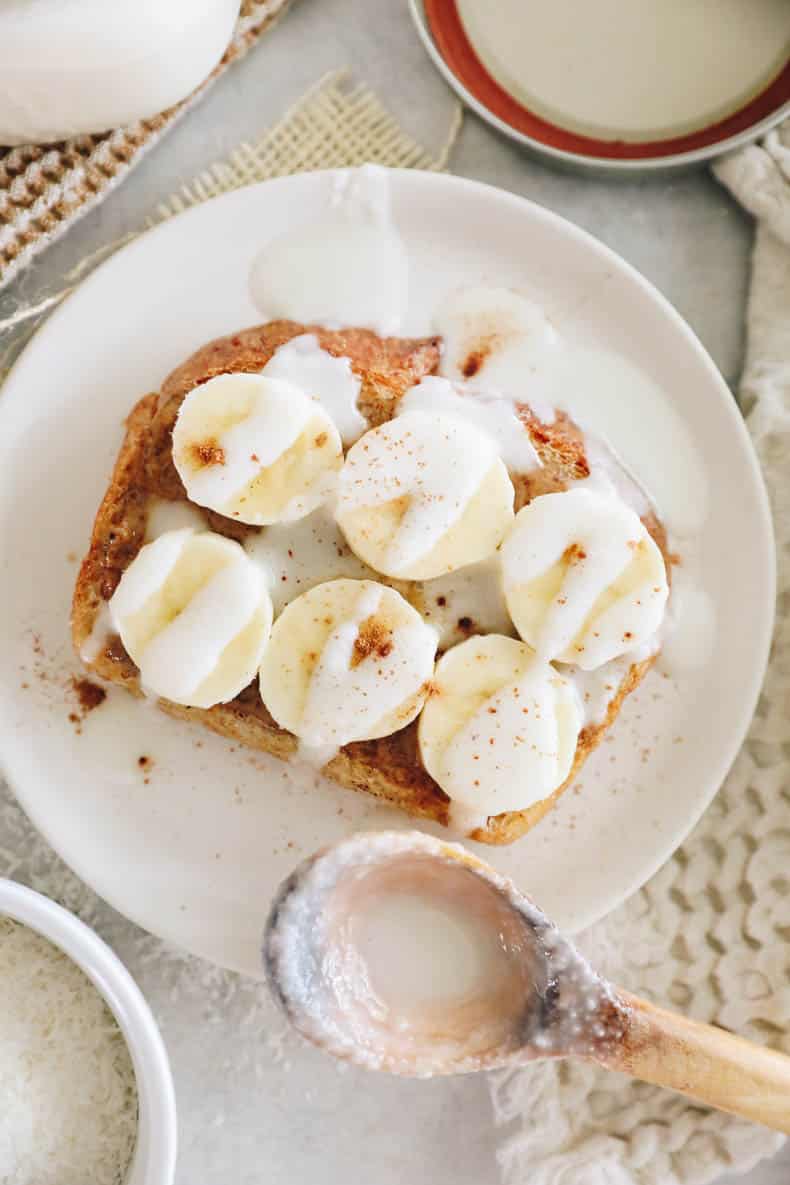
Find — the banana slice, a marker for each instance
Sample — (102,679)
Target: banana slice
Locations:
(349,660)
(256,449)
(194,614)
(500,730)
(423,495)
(584,581)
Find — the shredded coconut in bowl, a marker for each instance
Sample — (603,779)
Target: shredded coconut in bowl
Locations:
(68,1098)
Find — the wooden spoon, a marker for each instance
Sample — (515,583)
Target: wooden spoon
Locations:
(403,953)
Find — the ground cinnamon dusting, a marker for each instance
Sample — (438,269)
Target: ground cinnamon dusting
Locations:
(474,360)
(208,452)
(374,637)
(90,695)
(574,554)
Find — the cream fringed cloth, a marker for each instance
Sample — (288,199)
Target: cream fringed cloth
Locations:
(708,934)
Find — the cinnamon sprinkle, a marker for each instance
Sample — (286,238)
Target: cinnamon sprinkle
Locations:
(89,694)
(207,452)
(374,637)
(574,554)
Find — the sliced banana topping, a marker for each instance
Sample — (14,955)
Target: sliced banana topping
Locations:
(500,730)
(194,614)
(256,449)
(584,581)
(423,495)
(349,660)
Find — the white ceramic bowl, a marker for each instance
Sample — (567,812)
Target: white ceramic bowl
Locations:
(154,1158)
(81,67)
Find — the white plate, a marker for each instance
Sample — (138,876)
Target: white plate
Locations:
(195,852)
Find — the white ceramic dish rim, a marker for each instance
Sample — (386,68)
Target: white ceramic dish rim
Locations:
(576,160)
(154,1158)
(729,745)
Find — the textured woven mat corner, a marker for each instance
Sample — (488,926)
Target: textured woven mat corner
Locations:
(45,188)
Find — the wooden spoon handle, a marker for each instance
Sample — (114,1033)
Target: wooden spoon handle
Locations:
(704,1062)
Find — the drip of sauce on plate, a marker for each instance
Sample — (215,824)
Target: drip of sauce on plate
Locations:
(316,756)
(345,269)
(493,415)
(297,556)
(528,360)
(596,689)
(467,601)
(464,820)
(325,378)
(101,632)
(163,516)
(688,633)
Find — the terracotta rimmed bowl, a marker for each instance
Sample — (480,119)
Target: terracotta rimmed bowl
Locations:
(448,42)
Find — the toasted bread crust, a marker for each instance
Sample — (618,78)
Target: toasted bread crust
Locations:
(389,768)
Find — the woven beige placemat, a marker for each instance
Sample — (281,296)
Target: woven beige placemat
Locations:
(338,124)
(45,188)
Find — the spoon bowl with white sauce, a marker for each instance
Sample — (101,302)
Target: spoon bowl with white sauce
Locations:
(403,953)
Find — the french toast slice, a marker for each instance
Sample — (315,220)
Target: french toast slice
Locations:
(389,768)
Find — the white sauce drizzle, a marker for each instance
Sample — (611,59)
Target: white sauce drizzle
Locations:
(492,415)
(463,820)
(325,378)
(297,556)
(345,269)
(609,476)
(689,630)
(499,340)
(525,358)
(164,515)
(101,632)
(596,689)
(315,756)
(473,596)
